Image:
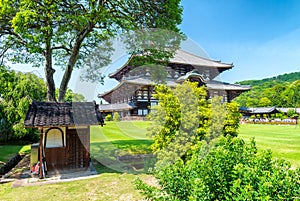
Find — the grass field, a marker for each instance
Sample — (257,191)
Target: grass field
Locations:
(7,151)
(112,184)
(283,140)
(130,137)
(118,139)
(106,186)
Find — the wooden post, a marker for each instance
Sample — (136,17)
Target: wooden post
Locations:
(41,152)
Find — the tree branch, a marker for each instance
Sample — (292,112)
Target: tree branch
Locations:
(62,47)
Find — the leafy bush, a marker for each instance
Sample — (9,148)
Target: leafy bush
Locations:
(117,117)
(108,117)
(226,169)
(184,117)
(232,120)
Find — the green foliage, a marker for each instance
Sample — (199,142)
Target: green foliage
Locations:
(179,121)
(287,77)
(232,119)
(226,169)
(184,117)
(218,116)
(71,96)
(264,102)
(18,91)
(69,31)
(108,117)
(280,91)
(116,117)
(291,113)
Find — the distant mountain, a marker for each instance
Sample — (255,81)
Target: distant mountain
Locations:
(281,91)
(287,77)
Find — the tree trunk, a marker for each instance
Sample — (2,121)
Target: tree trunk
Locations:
(68,72)
(72,61)
(49,72)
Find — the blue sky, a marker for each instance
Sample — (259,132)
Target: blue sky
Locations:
(260,37)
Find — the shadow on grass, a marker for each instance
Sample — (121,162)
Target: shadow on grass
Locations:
(105,156)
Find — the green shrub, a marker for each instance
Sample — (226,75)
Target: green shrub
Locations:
(227,169)
(116,117)
(108,117)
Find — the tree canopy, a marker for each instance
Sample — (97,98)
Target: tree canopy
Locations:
(279,91)
(62,33)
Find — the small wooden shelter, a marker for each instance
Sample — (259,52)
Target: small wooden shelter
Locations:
(64,133)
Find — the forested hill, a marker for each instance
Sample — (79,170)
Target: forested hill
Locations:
(280,91)
(287,77)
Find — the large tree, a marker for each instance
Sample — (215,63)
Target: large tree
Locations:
(42,32)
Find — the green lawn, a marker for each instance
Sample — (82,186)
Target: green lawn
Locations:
(8,151)
(283,140)
(118,139)
(112,184)
(130,137)
(106,186)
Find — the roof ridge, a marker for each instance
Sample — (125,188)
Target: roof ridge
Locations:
(208,59)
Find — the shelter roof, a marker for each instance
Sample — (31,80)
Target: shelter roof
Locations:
(263,110)
(62,114)
(285,110)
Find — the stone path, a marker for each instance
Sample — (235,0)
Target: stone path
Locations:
(21,175)
(54,178)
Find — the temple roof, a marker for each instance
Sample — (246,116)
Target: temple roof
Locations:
(183,58)
(189,75)
(218,85)
(62,114)
(115,107)
(129,86)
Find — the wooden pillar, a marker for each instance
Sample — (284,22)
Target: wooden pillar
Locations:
(41,152)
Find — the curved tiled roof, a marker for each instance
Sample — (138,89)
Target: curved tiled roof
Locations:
(213,84)
(191,74)
(184,58)
(115,107)
(62,114)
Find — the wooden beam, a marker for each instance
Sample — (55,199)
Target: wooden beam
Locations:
(41,152)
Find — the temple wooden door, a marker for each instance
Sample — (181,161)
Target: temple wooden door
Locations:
(78,155)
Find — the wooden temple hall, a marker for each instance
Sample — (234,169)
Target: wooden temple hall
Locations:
(133,96)
(64,135)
